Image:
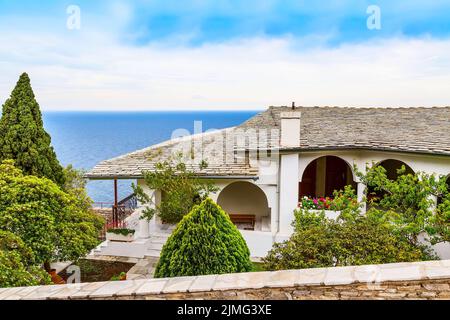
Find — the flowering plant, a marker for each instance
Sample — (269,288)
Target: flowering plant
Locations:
(315,203)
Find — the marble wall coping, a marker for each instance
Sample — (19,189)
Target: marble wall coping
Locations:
(369,274)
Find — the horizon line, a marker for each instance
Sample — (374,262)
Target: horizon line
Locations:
(154,110)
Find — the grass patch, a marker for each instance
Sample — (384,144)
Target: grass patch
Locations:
(98,270)
(257,267)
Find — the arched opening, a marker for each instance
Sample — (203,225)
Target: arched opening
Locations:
(391,166)
(247,205)
(325,175)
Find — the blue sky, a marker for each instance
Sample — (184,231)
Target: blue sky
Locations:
(226,54)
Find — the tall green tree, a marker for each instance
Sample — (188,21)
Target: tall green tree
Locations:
(23,138)
(49,221)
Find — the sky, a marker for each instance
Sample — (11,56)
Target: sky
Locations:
(226,54)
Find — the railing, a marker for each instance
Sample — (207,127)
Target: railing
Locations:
(124,209)
(129,202)
(103,205)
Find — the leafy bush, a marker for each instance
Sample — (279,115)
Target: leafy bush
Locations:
(47,219)
(17,265)
(204,242)
(352,239)
(180,190)
(407,203)
(75,184)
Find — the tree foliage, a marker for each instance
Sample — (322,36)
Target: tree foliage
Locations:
(17,265)
(23,138)
(408,203)
(388,232)
(204,242)
(75,185)
(180,190)
(48,220)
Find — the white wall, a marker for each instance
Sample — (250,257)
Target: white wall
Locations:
(288,196)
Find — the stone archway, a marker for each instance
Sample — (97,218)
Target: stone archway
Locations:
(324,175)
(245,199)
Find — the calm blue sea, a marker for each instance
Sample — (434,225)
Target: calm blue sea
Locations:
(85,138)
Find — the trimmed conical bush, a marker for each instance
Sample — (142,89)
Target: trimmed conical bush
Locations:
(204,242)
(22,135)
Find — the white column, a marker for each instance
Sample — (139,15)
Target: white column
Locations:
(361,193)
(144,224)
(289,179)
(144,229)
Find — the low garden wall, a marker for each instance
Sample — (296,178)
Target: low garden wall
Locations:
(418,280)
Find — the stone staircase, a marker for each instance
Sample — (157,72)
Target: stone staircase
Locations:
(143,269)
(155,244)
(139,248)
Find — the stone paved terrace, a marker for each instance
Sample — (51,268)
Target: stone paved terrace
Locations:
(418,280)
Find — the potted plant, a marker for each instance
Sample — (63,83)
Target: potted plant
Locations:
(121,277)
(319,204)
(120,235)
(56,278)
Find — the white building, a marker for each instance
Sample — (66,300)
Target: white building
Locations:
(264,166)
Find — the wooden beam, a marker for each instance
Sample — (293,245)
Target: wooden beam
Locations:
(116,200)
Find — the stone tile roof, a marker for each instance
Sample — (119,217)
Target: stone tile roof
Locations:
(196,148)
(417,130)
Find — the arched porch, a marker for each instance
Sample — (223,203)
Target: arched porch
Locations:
(247,205)
(324,175)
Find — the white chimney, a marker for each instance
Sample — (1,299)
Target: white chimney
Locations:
(290,129)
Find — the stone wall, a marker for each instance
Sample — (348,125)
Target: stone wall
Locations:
(418,280)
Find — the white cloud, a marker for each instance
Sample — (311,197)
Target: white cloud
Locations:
(89,71)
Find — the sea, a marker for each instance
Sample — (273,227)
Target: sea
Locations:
(83,139)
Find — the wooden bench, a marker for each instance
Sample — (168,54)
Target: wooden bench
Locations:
(244,218)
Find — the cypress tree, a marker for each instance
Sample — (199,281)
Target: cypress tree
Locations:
(204,242)
(22,135)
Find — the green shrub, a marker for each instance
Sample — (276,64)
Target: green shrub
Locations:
(47,219)
(180,189)
(17,265)
(204,242)
(321,242)
(407,203)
